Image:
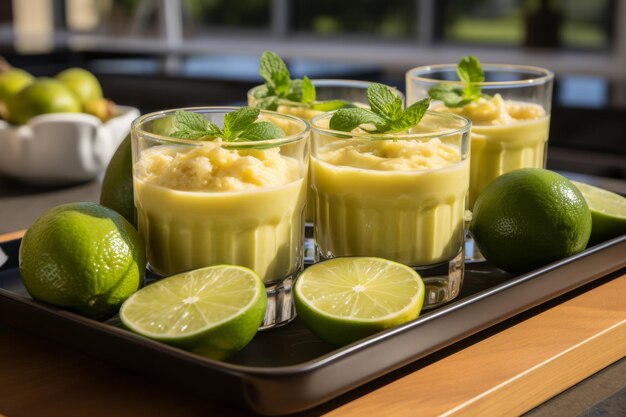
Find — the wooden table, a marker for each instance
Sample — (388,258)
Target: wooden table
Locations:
(506,370)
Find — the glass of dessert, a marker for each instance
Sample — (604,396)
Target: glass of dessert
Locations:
(509,107)
(393,185)
(224,185)
(305,98)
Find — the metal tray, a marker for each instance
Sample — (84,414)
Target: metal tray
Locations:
(287,370)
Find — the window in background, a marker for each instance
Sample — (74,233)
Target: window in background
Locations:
(374,18)
(587,23)
(580,24)
(33,25)
(241,15)
(136,18)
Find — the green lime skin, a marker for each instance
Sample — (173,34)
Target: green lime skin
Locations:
(12,82)
(340,332)
(83,257)
(117,184)
(215,327)
(338,329)
(528,218)
(82,83)
(44,95)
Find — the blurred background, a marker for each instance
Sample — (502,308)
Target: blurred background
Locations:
(158,54)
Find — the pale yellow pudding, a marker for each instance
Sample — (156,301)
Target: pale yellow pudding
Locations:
(354,92)
(208,205)
(506,135)
(401,199)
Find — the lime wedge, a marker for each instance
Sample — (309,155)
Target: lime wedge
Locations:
(345,299)
(608,212)
(213,311)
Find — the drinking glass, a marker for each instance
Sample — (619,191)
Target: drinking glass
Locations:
(202,203)
(510,130)
(352,91)
(395,196)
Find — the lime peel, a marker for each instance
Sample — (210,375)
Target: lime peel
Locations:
(214,311)
(346,299)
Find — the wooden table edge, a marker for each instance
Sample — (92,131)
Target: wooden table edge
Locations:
(509,373)
(11,236)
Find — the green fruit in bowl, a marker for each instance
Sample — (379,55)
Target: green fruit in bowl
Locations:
(44,95)
(102,108)
(12,81)
(82,83)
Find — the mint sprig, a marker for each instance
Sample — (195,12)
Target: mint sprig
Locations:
(279,86)
(470,72)
(386,114)
(239,126)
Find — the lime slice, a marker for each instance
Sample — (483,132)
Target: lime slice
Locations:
(345,299)
(608,212)
(213,311)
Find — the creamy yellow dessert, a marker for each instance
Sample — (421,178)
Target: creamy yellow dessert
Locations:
(506,135)
(207,205)
(402,200)
(306,113)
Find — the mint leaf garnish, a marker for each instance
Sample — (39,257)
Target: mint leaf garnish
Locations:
(386,113)
(274,72)
(308,90)
(239,125)
(237,121)
(411,116)
(347,119)
(279,86)
(192,126)
(263,130)
(471,73)
(384,102)
(469,70)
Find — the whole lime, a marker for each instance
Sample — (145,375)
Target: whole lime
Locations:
(44,95)
(82,83)
(528,218)
(83,257)
(12,81)
(117,184)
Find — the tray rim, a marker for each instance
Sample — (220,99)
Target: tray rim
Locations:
(262,374)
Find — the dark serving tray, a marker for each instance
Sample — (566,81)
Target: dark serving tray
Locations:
(288,369)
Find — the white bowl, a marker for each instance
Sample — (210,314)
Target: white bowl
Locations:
(60,148)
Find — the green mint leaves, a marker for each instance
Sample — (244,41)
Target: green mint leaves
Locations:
(386,114)
(279,86)
(471,73)
(239,126)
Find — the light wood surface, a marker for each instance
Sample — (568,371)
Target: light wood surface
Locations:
(12,236)
(506,373)
(514,370)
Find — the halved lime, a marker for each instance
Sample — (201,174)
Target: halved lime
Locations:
(345,299)
(213,311)
(608,212)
